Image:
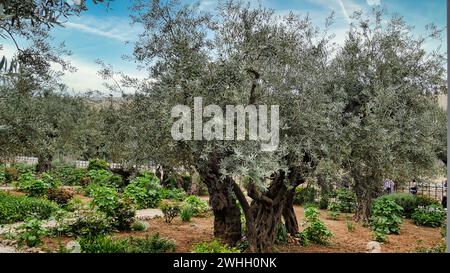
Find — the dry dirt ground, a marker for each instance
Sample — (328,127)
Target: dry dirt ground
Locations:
(201,229)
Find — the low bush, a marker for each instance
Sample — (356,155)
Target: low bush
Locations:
(31,233)
(76,203)
(104,244)
(173,194)
(139,226)
(213,247)
(19,208)
(97,164)
(33,186)
(10,174)
(144,191)
(386,216)
(315,230)
(282,234)
(124,215)
(409,202)
(69,175)
(198,205)
(304,195)
(85,222)
(103,178)
(186,213)
(346,200)
(430,216)
(170,210)
(60,195)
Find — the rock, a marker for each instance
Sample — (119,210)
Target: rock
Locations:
(73,247)
(373,247)
(194,225)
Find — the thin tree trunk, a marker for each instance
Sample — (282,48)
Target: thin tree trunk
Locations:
(44,163)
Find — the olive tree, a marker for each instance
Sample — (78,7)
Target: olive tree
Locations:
(388,84)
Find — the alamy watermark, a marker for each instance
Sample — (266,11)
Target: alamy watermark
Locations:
(230,125)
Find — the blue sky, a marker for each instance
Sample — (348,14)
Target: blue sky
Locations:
(103,34)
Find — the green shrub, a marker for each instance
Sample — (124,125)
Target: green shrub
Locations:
(315,230)
(124,215)
(282,234)
(104,244)
(324,202)
(60,195)
(98,164)
(69,175)
(346,200)
(76,203)
(386,216)
(186,213)
(173,194)
(379,236)
(105,198)
(349,223)
(304,195)
(409,202)
(104,178)
(139,226)
(170,210)
(144,191)
(10,174)
(33,186)
(430,216)
(152,244)
(19,208)
(198,205)
(214,247)
(31,233)
(85,222)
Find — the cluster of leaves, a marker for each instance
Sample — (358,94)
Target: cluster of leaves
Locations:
(410,202)
(386,218)
(144,191)
(282,234)
(305,195)
(315,230)
(346,200)
(69,175)
(104,178)
(175,194)
(214,246)
(98,164)
(197,205)
(60,195)
(104,244)
(429,216)
(34,186)
(170,210)
(84,222)
(19,208)
(31,232)
(107,200)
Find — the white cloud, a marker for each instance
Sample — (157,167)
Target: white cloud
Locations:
(373,2)
(116,28)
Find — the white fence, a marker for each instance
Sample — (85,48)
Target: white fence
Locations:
(79,163)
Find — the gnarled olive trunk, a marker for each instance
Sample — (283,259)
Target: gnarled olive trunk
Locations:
(44,163)
(227,215)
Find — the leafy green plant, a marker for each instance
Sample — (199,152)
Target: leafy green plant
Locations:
(144,191)
(346,200)
(282,234)
(213,247)
(33,186)
(103,178)
(334,215)
(60,195)
(105,198)
(31,232)
(386,217)
(430,216)
(379,236)
(19,208)
(76,203)
(186,213)
(170,210)
(304,195)
(350,225)
(97,164)
(173,194)
(315,230)
(139,226)
(85,222)
(198,205)
(69,175)
(409,202)
(106,244)
(123,215)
